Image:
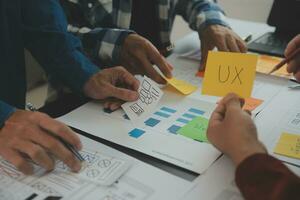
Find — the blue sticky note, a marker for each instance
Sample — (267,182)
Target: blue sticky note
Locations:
(161,114)
(173,129)
(170,110)
(152,122)
(136,133)
(196,111)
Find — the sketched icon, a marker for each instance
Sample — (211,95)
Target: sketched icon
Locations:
(136,108)
(145,93)
(104,163)
(92,173)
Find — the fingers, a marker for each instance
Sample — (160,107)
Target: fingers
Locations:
(248,112)
(60,130)
(242,45)
(231,44)
(56,147)
(294,65)
(297,75)
(205,47)
(221,44)
(229,97)
(36,153)
(113,104)
(292,46)
(159,60)
(218,114)
(149,69)
(127,79)
(17,160)
(121,93)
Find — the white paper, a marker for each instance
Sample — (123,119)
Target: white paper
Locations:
(157,140)
(140,182)
(149,96)
(100,169)
(281,115)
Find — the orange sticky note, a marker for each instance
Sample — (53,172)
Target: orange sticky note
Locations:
(200,74)
(229,72)
(288,145)
(252,103)
(266,64)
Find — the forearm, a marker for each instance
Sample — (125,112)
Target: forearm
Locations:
(46,36)
(101,44)
(5,111)
(105,45)
(263,177)
(201,13)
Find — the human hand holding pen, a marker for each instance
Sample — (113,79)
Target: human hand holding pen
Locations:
(25,135)
(294,64)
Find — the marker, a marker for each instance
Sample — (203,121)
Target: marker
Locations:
(66,144)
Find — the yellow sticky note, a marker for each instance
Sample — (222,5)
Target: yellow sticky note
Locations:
(182,86)
(288,145)
(252,103)
(229,72)
(266,64)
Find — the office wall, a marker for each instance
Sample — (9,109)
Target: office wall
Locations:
(254,10)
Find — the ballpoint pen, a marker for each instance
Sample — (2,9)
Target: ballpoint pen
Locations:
(66,144)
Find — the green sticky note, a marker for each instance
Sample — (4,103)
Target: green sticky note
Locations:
(195,129)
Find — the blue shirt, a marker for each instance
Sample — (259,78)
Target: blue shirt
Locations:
(39,26)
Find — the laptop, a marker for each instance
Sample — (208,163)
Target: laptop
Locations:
(285,17)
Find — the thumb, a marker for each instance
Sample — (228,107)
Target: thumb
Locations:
(122,93)
(233,107)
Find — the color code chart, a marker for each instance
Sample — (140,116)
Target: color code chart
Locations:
(188,122)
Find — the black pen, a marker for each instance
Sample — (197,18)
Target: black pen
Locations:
(66,144)
(248,38)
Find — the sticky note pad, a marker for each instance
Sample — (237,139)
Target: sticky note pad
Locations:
(288,145)
(229,72)
(182,86)
(266,64)
(195,129)
(252,103)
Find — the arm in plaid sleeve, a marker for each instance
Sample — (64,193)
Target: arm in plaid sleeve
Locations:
(201,13)
(104,44)
(85,21)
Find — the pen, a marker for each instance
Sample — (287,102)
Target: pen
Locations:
(285,61)
(248,38)
(66,144)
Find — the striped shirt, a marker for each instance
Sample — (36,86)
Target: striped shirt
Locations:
(103,25)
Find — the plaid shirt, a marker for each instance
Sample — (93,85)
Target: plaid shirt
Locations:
(103,25)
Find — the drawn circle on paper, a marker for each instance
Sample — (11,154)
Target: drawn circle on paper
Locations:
(104,163)
(92,173)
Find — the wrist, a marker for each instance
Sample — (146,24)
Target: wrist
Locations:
(240,154)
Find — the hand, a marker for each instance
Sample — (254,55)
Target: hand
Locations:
(232,130)
(294,65)
(113,82)
(221,37)
(138,56)
(24,135)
